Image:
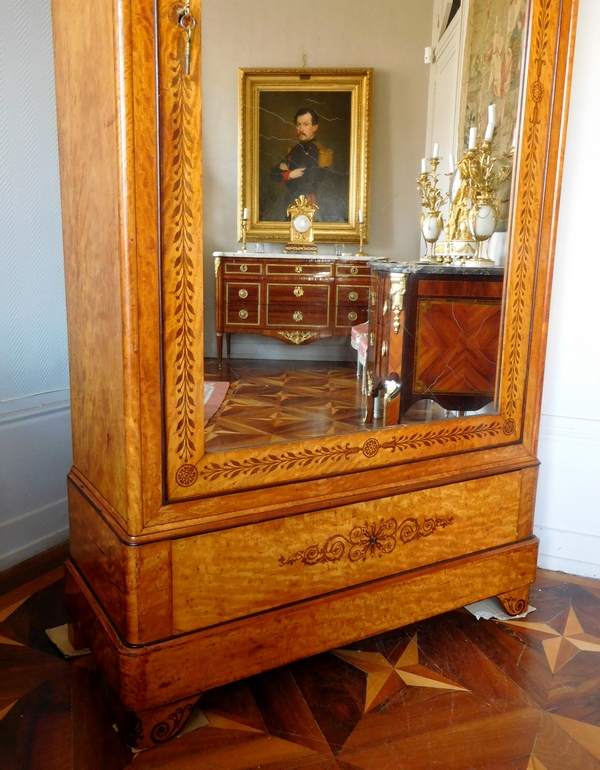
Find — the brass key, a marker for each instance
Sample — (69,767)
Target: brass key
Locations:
(187,24)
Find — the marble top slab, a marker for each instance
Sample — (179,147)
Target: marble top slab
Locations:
(298,255)
(436,269)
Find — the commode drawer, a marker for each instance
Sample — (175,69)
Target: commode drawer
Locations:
(225,575)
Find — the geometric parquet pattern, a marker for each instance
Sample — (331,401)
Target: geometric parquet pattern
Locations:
(446,693)
(286,404)
(271,402)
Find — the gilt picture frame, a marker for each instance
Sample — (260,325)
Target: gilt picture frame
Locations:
(305,131)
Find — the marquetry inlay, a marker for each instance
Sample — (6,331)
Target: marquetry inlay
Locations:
(366,541)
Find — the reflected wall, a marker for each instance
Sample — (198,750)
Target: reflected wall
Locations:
(344,33)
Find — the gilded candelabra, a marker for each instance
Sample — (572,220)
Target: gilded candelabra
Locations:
(474,206)
(433,199)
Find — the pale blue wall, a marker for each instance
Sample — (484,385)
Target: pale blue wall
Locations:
(35,452)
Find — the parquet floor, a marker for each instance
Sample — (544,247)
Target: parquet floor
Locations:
(446,693)
(270,402)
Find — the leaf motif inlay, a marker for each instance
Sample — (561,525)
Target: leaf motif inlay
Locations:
(369,540)
(183,265)
(250,466)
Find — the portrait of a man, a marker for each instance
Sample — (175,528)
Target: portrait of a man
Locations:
(301,172)
(304,149)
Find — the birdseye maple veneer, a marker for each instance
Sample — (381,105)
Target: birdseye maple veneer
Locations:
(191,569)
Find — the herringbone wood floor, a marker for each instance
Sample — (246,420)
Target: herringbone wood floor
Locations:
(449,692)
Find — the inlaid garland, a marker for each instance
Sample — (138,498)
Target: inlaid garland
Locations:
(531,161)
(182,193)
(441,436)
(369,540)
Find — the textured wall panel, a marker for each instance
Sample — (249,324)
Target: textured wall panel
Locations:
(33,341)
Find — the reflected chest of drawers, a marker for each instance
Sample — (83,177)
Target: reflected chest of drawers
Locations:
(434,334)
(297,299)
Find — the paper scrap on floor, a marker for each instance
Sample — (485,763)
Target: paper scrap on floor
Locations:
(491,609)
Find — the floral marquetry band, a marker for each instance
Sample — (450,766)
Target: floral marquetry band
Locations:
(376,539)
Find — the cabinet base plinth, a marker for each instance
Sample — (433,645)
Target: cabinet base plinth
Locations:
(175,669)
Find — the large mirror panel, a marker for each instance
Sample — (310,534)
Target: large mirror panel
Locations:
(324,371)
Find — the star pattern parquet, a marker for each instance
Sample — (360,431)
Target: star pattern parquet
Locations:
(450,692)
(271,402)
(286,404)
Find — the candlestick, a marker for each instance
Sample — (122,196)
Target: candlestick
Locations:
(245,213)
(360,216)
(472,137)
(489,132)
(423,166)
(436,150)
(492,115)
(451,163)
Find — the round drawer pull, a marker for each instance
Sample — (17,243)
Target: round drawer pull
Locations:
(298,268)
(297,316)
(354,271)
(243,268)
(298,291)
(243,293)
(353,296)
(243,314)
(352,316)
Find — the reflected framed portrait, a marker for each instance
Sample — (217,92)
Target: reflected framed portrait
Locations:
(305,132)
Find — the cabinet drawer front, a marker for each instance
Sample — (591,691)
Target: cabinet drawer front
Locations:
(243,304)
(243,268)
(348,315)
(234,573)
(430,288)
(297,295)
(310,309)
(300,268)
(353,271)
(347,294)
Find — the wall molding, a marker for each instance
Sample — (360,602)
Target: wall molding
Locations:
(568,499)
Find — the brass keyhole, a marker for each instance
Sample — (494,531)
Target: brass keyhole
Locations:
(298,291)
(354,271)
(298,268)
(243,268)
(297,316)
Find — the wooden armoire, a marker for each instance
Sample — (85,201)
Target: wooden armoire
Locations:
(188,569)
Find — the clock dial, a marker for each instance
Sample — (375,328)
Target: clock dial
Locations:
(301,223)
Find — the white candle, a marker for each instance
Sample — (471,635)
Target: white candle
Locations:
(451,162)
(360,216)
(423,166)
(436,150)
(492,114)
(245,214)
(472,137)
(489,132)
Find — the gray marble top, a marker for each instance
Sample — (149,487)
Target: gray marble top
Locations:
(436,269)
(296,255)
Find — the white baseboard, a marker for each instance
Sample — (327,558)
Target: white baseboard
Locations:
(35,446)
(568,499)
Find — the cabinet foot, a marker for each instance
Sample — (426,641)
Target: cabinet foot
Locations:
(145,729)
(515,602)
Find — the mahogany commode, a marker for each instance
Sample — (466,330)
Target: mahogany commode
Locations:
(435,331)
(190,569)
(295,298)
